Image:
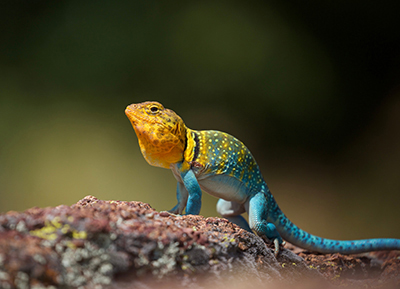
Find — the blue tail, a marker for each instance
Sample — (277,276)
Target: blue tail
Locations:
(302,239)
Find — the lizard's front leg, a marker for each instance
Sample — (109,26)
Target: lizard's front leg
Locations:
(188,192)
(258,220)
(182,197)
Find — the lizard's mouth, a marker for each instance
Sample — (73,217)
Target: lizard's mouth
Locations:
(130,113)
(133,114)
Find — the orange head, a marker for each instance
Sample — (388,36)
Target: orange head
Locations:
(161,133)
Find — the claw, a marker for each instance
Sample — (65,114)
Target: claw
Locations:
(277,248)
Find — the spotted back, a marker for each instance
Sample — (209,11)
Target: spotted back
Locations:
(160,131)
(220,153)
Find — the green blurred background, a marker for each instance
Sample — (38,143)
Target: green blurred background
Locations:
(312,88)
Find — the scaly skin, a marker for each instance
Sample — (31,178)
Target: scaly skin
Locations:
(222,166)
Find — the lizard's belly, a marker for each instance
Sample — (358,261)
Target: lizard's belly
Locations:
(221,186)
(225,187)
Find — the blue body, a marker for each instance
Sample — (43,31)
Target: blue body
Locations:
(222,166)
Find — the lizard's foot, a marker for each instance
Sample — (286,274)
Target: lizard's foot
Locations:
(269,231)
(240,221)
(177,210)
(172,213)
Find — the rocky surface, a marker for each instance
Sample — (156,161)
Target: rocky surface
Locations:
(114,244)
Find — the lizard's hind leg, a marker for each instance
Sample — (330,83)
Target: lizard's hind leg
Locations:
(232,211)
(258,220)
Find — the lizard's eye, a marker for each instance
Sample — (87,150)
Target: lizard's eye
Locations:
(154,109)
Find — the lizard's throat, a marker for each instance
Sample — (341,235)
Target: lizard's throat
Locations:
(161,154)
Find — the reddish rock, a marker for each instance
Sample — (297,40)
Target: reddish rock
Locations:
(114,244)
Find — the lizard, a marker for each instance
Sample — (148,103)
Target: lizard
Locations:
(221,165)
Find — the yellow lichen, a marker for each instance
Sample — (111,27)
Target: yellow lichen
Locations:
(51,228)
(79,234)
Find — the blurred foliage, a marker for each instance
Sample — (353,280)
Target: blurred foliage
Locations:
(312,87)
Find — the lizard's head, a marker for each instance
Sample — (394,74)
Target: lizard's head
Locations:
(161,132)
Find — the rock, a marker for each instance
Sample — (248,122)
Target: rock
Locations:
(115,244)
